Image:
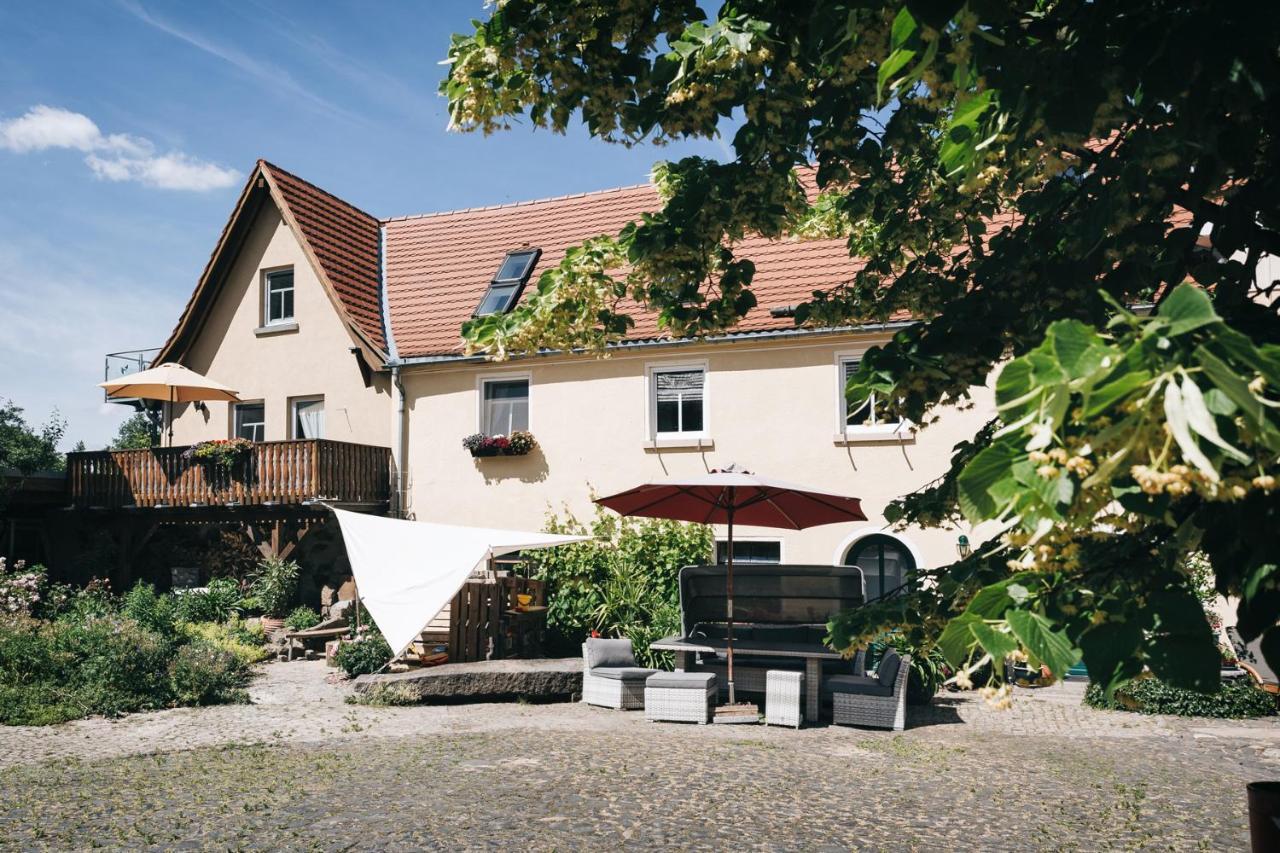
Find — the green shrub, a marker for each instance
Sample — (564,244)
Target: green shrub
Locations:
(1235,699)
(623,583)
(275,583)
(201,673)
(217,602)
(301,618)
(367,653)
(119,666)
(151,610)
(31,689)
(93,600)
(245,632)
(234,637)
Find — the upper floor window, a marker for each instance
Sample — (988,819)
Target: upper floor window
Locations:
(249,420)
(869,415)
(277,291)
(308,417)
(504,406)
(507,283)
(677,401)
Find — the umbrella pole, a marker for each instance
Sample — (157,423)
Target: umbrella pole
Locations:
(728,584)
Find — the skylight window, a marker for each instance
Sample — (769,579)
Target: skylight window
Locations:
(507,283)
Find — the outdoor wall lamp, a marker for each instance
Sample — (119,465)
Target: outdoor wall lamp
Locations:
(963,548)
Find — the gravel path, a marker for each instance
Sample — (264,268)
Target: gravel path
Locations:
(300,769)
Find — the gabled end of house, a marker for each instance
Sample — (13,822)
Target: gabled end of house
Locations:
(341,242)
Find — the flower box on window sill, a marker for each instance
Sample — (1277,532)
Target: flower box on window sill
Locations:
(517,444)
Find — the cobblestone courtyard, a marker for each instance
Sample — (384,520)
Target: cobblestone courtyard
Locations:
(300,769)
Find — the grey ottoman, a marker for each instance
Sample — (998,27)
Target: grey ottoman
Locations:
(680,697)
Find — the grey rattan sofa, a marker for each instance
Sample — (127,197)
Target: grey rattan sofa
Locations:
(610,677)
(878,700)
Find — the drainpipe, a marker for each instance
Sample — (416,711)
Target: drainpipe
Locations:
(402,439)
(399,486)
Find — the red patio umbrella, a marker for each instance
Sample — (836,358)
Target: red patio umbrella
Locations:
(732,496)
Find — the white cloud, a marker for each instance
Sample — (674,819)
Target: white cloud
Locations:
(49,127)
(113,157)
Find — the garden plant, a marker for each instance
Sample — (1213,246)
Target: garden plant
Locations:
(67,653)
(622,583)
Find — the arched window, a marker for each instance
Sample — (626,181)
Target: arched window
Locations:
(885,563)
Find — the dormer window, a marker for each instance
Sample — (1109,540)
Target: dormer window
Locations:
(510,279)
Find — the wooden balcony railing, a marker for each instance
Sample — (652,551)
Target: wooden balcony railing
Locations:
(285,472)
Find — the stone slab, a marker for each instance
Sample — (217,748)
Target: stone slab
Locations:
(546,679)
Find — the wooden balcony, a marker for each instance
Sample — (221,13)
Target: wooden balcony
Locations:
(277,472)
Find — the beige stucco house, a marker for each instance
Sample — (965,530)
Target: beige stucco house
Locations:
(334,324)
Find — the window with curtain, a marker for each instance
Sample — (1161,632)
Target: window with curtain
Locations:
(678,401)
(505,407)
(279,297)
(250,421)
(867,413)
(308,418)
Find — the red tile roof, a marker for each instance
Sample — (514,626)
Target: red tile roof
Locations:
(345,243)
(439,265)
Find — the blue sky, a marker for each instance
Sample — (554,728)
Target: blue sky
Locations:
(112,196)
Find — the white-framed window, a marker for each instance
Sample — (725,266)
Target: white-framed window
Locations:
(867,417)
(277,296)
(762,551)
(249,420)
(306,417)
(504,404)
(678,401)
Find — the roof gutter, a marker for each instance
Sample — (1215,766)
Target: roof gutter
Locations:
(738,337)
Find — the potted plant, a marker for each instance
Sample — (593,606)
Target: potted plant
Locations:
(273,588)
(519,443)
(221,456)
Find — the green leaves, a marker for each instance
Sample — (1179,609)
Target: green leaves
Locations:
(1187,308)
(1110,652)
(978,204)
(1046,644)
(961,138)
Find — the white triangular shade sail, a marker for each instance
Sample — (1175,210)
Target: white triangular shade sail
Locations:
(407,571)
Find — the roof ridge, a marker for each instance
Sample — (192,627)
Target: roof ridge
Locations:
(264,162)
(510,204)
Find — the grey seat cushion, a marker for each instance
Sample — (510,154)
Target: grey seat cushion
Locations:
(862,685)
(602,652)
(623,673)
(888,669)
(684,680)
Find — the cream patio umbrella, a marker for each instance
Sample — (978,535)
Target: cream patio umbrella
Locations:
(171,383)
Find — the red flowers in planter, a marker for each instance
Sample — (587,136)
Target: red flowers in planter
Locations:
(519,443)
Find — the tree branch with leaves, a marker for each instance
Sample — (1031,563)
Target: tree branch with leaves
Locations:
(1020,177)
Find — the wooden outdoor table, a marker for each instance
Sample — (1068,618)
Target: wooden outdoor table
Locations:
(812,655)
